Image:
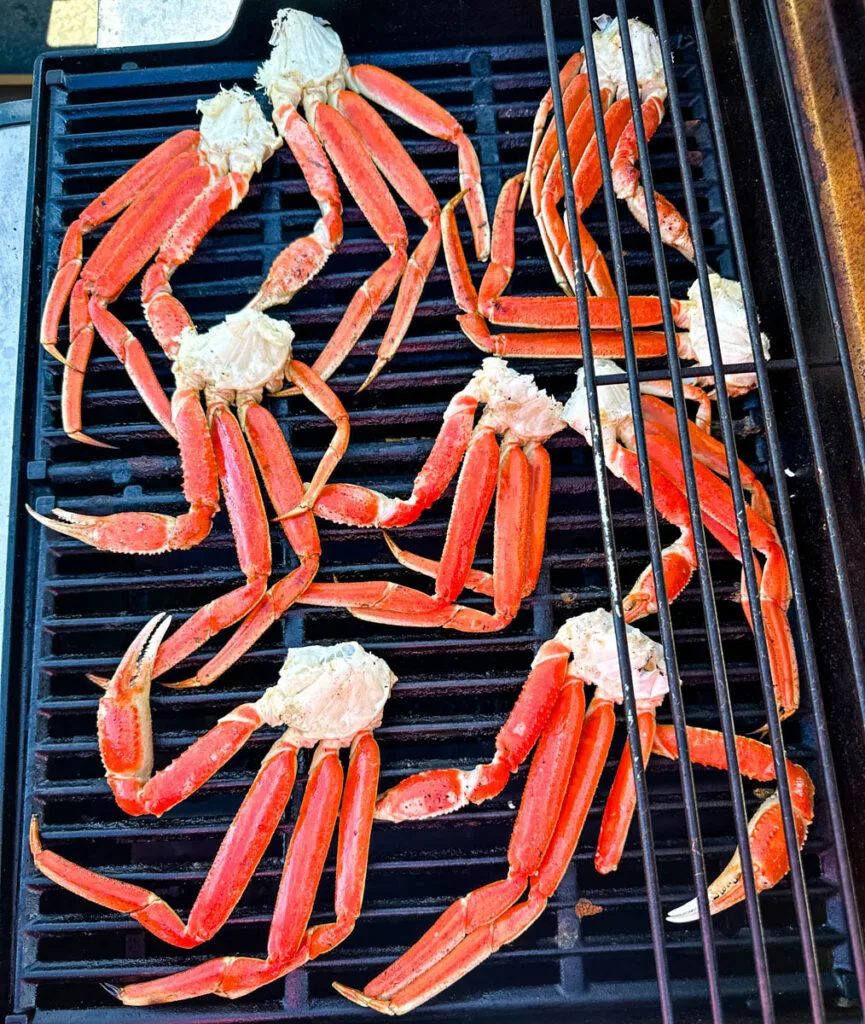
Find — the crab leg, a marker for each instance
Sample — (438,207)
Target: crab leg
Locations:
(284,487)
(626,182)
(300,261)
(587,182)
(481,922)
(569,74)
(76,359)
(775,590)
(619,809)
(362,179)
(765,829)
(251,535)
(234,865)
(403,174)
(130,243)
(233,976)
(539,502)
(361,506)
(164,313)
(426,115)
(526,310)
(119,194)
(151,533)
(443,790)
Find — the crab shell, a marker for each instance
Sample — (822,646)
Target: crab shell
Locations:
(648,64)
(327,693)
(514,404)
(591,639)
(614,402)
(733,333)
(307,58)
(243,355)
(235,135)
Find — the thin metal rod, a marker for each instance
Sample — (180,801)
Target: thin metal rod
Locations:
(631,718)
(812,418)
(810,673)
(752,587)
(692,819)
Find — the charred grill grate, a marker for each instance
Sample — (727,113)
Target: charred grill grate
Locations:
(82,607)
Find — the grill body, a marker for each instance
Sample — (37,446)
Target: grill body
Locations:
(72,610)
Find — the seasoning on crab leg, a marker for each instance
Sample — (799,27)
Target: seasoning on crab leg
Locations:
(555,318)
(195,171)
(308,66)
(326,698)
(716,502)
(515,471)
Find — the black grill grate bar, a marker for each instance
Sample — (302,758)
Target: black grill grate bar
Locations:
(811,674)
(631,718)
(739,503)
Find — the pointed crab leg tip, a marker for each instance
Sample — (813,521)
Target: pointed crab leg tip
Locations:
(77,435)
(113,990)
(184,684)
(380,364)
(394,548)
(356,996)
(685,914)
(452,204)
(99,681)
(286,393)
(298,510)
(35,841)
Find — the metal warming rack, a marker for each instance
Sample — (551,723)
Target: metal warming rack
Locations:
(795,954)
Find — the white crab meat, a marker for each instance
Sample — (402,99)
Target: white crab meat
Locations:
(592,640)
(648,65)
(327,693)
(235,135)
(614,402)
(244,354)
(514,404)
(307,57)
(733,334)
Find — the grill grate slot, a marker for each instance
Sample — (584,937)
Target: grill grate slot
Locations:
(454,692)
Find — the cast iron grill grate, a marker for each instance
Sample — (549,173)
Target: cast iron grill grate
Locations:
(455,690)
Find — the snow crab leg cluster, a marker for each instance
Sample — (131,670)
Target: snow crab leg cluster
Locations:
(492,441)
(326,698)
(571,745)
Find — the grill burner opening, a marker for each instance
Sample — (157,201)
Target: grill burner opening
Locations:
(454,689)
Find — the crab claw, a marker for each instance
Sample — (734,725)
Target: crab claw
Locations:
(135,670)
(137,533)
(765,830)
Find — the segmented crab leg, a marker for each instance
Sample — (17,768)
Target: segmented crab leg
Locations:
(252,539)
(151,533)
(361,506)
(130,243)
(300,261)
(443,790)
(628,186)
(403,174)
(477,924)
(164,313)
(290,942)
(426,115)
(283,484)
(362,179)
(539,501)
(234,865)
(775,590)
(119,194)
(540,129)
(766,827)
(533,311)
(587,182)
